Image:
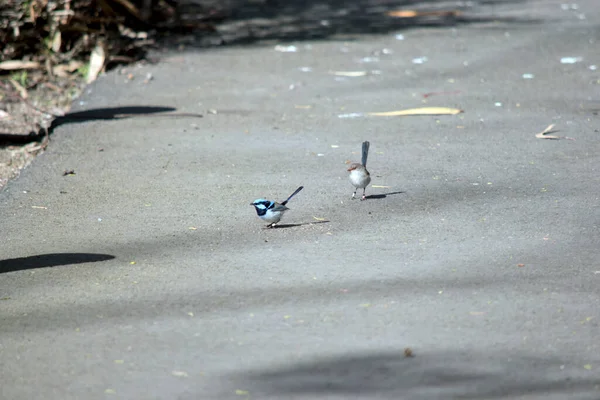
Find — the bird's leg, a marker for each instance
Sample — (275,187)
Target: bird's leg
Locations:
(271,225)
(354,194)
(363,196)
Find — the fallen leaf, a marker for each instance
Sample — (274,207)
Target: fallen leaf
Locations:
(319,219)
(69,172)
(63,70)
(180,374)
(403,13)
(588,366)
(380,187)
(12,65)
(350,74)
(544,134)
(241,392)
(408,352)
(40,207)
(418,111)
(97,59)
(110,391)
(119,361)
(414,13)
(520,265)
(22,91)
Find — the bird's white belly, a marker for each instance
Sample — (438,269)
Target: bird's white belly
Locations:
(359,179)
(272,216)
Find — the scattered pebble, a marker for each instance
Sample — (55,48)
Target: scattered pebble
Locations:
(286,49)
(351,115)
(528,76)
(399,36)
(570,60)
(369,59)
(419,60)
(567,7)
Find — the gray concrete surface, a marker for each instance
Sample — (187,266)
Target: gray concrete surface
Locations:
(147,275)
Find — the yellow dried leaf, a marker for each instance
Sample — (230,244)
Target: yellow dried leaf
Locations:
(418,111)
(319,219)
(180,374)
(588,366)
(119,361)
(110,391)
(241,392)
(403,13)
(381,187)
(414,13)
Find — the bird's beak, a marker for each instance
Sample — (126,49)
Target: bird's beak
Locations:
(350,169)
(251,204)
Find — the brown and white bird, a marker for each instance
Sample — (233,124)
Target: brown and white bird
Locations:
(359,176)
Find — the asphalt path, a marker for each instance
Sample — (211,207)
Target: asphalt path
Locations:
(470,272)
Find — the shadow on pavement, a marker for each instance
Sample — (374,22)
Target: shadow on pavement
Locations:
(237,22)
(429,375)
(382,195)
(283,226)
(97,114)
(50,260)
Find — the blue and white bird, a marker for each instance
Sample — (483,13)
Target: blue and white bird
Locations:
(271,211)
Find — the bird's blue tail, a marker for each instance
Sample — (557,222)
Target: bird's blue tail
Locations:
(365,153)
(292,195)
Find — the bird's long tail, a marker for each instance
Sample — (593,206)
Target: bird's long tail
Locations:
(365,153)
(292,195)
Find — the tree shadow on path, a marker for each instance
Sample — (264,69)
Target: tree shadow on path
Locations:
(237,22)
(427,375)
(50,260)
